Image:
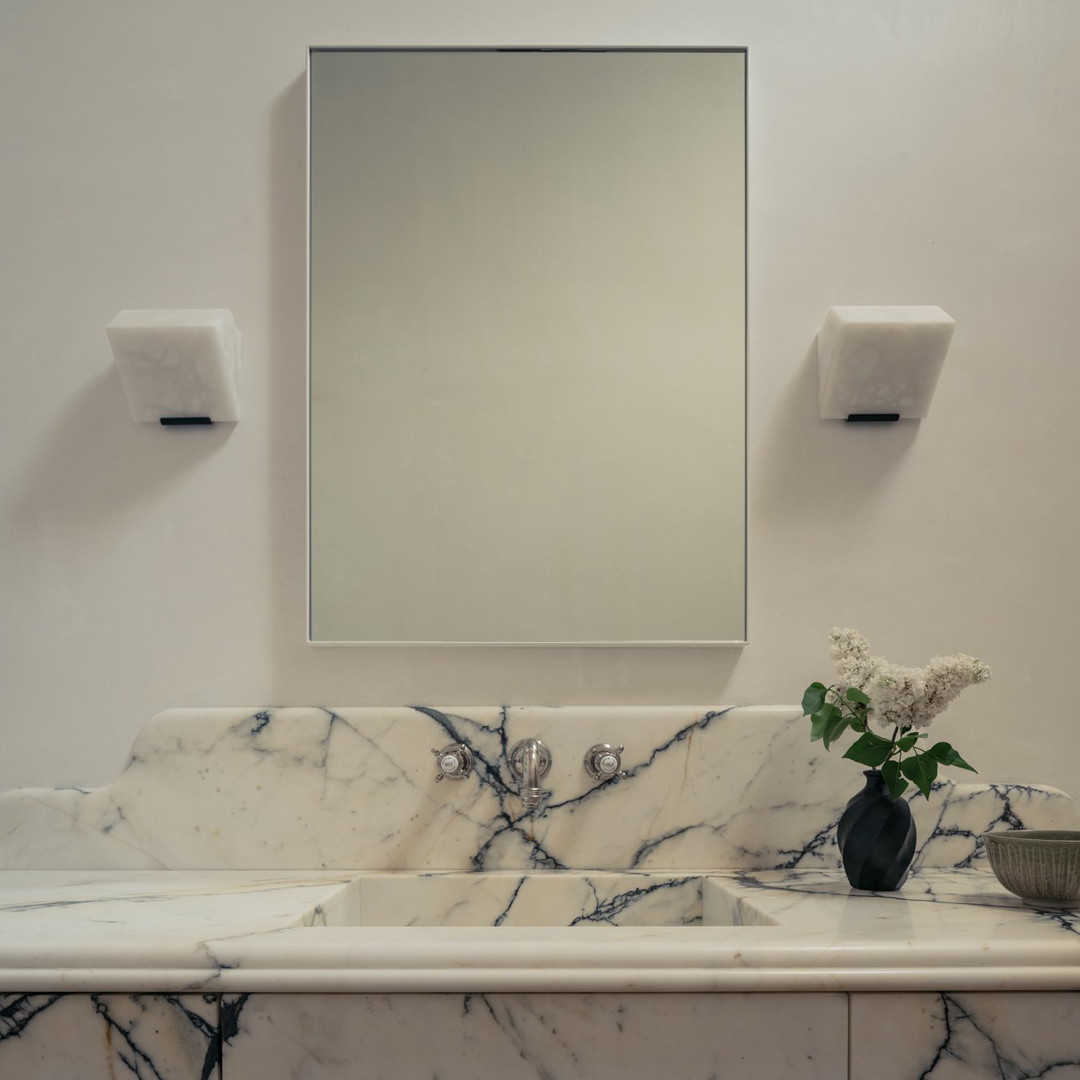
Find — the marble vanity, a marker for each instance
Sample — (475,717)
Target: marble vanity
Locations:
(290,893)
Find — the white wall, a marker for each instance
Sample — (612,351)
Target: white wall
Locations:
(901,151)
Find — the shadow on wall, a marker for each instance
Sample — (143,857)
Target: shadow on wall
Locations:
(809,470)
(96,466)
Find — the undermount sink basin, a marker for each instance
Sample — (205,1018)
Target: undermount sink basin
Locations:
(538,898)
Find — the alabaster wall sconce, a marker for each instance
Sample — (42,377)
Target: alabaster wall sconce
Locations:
(178,367)
(880,363)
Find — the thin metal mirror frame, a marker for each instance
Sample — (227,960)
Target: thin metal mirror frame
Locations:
(692,643)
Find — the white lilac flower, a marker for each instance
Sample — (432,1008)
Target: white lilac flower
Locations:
(945,677)
(854,664)
(894,694)
(901,697)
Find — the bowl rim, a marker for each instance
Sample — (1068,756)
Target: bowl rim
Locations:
(1034,836)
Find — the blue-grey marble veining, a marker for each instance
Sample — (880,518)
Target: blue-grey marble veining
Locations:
(529,1036)
(973,1036)
(557,898)
(503,931)
(166,915)
(109,1036)
(312,788)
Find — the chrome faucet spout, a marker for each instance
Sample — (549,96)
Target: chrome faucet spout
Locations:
(529,762)
(531,795)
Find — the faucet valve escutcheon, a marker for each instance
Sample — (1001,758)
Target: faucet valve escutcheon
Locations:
(455,762)
(604,762)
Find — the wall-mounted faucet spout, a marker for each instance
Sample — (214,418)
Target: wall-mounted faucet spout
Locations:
(529,762)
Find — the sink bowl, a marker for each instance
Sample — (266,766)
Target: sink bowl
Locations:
(537,898)
(1041,866)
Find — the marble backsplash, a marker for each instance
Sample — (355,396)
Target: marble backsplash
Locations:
(355,788)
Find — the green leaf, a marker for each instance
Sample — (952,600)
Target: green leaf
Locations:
(943,753)
(908,741)
(870,749)
(821,720)
(814,698)
(921,770)
(856,695)
(828,724)
(835,728)
(896,784)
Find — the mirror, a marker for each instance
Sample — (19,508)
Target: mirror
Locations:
(526,346)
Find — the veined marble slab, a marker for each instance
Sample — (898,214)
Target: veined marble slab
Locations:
(526,1036)
(964,1037)
(314,788)
(106,1036)
(733,931)
(543,898)
(766,930)
(150,921)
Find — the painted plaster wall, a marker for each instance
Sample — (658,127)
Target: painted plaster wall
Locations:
(901,151)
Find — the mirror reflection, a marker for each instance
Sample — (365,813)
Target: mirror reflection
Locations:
(527,346)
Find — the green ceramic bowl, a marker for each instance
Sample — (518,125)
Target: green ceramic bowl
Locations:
(1041,866)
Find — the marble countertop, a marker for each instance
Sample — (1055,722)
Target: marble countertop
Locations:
(262,850)
(278,931)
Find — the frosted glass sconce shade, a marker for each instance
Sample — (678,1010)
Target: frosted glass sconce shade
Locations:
(881,363)
(178,366)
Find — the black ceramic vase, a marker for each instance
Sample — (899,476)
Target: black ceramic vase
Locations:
(876,837)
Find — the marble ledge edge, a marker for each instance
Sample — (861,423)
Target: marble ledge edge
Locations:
(351,959)
(550,980)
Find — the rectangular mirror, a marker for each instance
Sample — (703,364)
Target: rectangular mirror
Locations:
(527,347)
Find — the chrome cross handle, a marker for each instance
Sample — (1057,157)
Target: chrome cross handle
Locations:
(455,762)
(604,762)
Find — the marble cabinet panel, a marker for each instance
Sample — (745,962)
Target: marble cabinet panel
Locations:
(105,1036)
(526,1036)
(979,1036)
